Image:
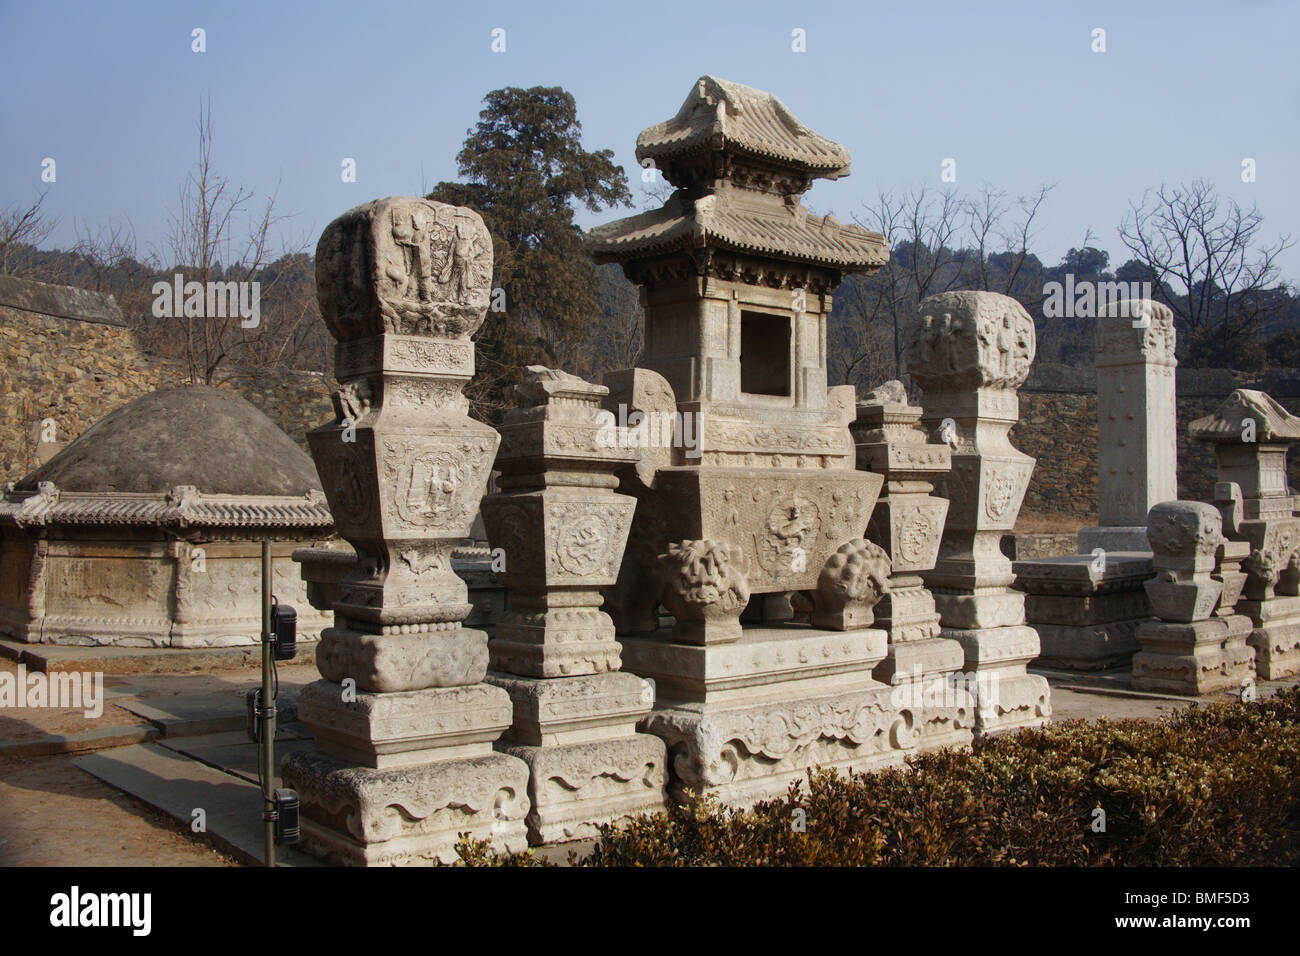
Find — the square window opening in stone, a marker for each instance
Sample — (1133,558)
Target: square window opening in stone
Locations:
(764,354)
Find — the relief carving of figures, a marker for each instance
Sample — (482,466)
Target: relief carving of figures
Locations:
(965,340)
(404,266)
(791,529)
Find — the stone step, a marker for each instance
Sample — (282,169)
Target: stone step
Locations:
(103,738)
(140,660)
(234,753)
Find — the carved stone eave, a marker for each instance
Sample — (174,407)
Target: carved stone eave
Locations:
(731,221)
(724,120)
(181,508)
(1272,424)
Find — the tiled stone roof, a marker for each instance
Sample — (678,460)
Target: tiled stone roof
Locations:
(719,114)
(758,225)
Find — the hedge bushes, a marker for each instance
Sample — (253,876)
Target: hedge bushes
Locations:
(1209,786)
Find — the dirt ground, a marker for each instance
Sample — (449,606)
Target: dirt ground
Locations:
(54,814)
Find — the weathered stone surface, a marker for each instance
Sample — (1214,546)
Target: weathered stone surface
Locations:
(572,710)
(1137,433)
(433,655)
(561,529)
(402,770)
(1201,657)
(209,438)
(574,787)
(745,752)
(908,523)
(969,352)
(749,667)
(1189,649)
(1250,434)
(139,533)
(1086,609)
(407,815)
(406,727)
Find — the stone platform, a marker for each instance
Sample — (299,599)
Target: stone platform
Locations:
(1086,609)
(743,720)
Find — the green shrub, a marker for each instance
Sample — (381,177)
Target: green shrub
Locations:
(1209,786)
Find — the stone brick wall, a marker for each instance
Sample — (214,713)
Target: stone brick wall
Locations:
(66,355)
(1058,425)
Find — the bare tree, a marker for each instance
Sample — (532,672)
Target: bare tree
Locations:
(1001,230)
(1208,263)
(919,226)
(21,230)
(220,232)
(939,240)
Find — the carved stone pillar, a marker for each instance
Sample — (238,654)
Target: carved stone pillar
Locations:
(1137,429)
(562,529)
(969,352)
(1189,649)
(907,523)
(1251,434)
(404,723)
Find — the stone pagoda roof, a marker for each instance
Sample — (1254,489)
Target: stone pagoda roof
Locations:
(740,159)
(1273,423)
(177,457)
(783,230)
(720,115)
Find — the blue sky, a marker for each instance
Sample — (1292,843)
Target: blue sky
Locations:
(1012,91)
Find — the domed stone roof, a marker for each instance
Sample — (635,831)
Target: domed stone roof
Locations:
(209,438)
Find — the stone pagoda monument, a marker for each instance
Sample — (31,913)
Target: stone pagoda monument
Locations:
(1251,434)
(970,352)
(403,720)
(746,484)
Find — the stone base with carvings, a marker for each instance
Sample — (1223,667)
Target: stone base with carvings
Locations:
(744,720)
(1009,697)
(396,776)
(1086,609)
(575,787)
(926,677)
(406,815)
(1203,657)
(1275,637)
(587,764)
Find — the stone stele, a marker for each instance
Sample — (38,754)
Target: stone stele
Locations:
(1137,428)
(404,723)
(969,352)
